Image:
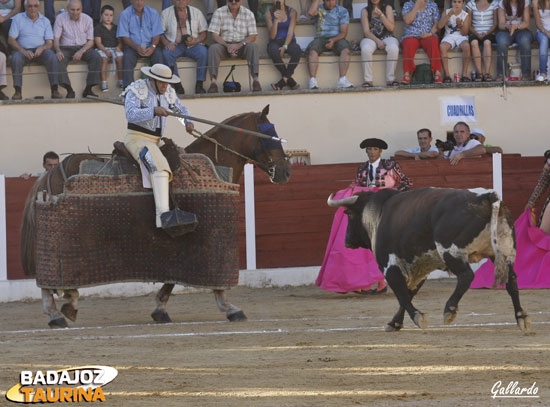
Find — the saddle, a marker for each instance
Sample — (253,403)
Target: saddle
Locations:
(169,150)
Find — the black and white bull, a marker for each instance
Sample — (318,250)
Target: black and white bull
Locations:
(413,233)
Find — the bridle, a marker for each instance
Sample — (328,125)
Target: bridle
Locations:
(264,147)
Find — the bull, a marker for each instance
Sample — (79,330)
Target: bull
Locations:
(414,233)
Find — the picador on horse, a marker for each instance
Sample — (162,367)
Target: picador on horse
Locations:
(89,220)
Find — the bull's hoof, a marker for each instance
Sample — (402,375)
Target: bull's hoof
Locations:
(393,327)
(450,315)
(524,321)
(69,311)
(237,316)
(58,323)
(420,320)
(161,317)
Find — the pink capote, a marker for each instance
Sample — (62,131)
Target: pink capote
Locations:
(345,270)
(532,257)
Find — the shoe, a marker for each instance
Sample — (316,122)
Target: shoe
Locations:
(367,85)
(199,89)
(179,89)
(343,83)
(279,85)
(70,94)
(56,94)
(437,77)
(313,83)
(304,19)
(213,88)
(120,84)
(406,79)
(465,78)
(256,87)
(17,95)
(292,84)
(85,94)
(104,87)
(540,78)
(392,83)
(487,78)
(3,96)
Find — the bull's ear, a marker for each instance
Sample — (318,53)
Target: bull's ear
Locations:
(265,112)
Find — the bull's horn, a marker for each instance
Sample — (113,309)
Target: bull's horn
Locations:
(350,200)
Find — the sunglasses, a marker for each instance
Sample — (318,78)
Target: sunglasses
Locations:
(233,1)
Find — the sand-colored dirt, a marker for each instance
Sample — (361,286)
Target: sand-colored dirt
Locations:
(301,347)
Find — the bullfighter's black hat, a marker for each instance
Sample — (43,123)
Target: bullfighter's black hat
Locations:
(373,142)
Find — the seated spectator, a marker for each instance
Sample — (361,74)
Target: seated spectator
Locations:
(465,146)
(3,76)
(421,20)
(233,29)
(456,21)
(91,8)
(378,24)
(281,21)
(109,47)
(74,39)
(424,149)
(482,35)
(49,161)
(304,17)
(479,135)
(541,11)
(8,8)
(31,38)
(331,31)
(513,22)
(184,34)
(139,28)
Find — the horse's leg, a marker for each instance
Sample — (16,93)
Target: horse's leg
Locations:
(159,314)
(48,304)
(232,312)
(522,318)
(70,308)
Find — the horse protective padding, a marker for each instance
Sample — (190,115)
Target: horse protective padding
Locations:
(101,230)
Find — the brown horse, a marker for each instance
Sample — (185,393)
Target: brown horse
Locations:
(224,147)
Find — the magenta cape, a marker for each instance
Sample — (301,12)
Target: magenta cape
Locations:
(532,264)
(345,270)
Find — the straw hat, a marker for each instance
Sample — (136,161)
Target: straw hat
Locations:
(160,72)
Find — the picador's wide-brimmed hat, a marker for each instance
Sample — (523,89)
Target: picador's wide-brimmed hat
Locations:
(160,72)
(373,142)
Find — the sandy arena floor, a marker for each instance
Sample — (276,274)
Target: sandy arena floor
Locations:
(300,347)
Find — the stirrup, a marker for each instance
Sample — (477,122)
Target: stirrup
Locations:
(177,222)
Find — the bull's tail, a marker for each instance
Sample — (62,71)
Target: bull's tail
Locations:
(502,242)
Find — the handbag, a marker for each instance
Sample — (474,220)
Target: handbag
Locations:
(422,75)
(231,86)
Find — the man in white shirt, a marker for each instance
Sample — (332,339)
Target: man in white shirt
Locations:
(424,149)
(465,146)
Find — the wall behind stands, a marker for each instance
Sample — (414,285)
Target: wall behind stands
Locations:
(329,125)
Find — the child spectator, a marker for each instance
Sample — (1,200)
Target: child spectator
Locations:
(109,47)
(541,12)
(457,24)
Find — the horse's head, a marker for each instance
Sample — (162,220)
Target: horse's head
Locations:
(269,153)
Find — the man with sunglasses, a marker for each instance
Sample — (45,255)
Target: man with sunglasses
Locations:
(31,38)
(233,29)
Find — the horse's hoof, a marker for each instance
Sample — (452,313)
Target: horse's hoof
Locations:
(420,320)
(69,311)
(393,327)
(524,321)
(161,317)
(450,315)
(237,316)
(58,323)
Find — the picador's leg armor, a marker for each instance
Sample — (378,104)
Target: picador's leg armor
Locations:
(174,222)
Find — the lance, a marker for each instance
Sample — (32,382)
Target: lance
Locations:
(197,119)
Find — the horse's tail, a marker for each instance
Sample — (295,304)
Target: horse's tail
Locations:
(28,230)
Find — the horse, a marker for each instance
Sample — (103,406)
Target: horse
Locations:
(227,148)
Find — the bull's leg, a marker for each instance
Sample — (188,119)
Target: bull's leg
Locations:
(70,308)
(523,320)
(464,276)
(159,314)
(48,304)
(398,284)
(397,322)
(232,312)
